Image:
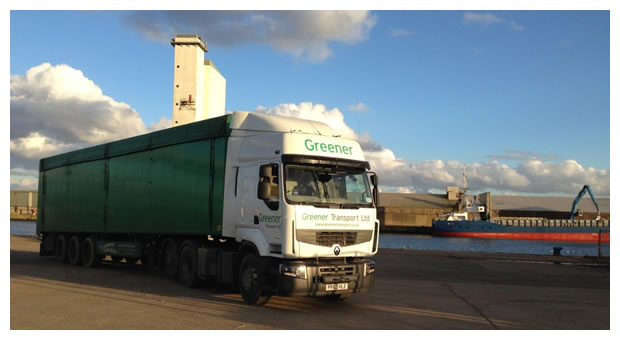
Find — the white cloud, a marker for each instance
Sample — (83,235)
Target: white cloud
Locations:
(515,27)
(55,109)
(530,176)
(318,112)
(24,179)
(304,34)
(565,176)
(481,18)
(163,123)
(359,107)
(401,32)
(487,19)
(522,155)
(35,146)
(60,103)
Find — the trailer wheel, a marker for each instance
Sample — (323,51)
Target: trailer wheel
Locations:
(252,280)
(60,248)
(73,251)
(170,259)
(188,265)
(90,258)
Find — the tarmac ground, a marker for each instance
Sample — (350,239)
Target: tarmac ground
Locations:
(413,290)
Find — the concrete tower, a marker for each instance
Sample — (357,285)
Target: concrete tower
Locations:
(199,90)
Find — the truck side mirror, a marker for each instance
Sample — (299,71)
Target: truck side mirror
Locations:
(375,195)
(264,190)
(374,179)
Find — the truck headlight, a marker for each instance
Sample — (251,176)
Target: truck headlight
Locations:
(296,271)
(369,268)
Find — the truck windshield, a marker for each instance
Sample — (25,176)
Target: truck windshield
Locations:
(306,184)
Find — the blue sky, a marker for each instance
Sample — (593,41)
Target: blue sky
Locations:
(466,86)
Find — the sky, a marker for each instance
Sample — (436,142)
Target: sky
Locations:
(519,99)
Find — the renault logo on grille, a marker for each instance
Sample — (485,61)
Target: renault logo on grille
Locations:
(336,250)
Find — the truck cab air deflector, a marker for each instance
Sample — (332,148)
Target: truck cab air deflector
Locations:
(318,160)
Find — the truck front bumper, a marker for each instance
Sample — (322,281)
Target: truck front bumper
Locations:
(325,278)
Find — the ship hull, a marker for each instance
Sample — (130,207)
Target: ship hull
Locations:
(490,230)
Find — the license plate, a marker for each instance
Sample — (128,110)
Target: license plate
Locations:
(337,286)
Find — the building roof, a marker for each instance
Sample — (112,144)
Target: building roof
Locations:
(498,202)
(189,39)
(537,203)
(208,62)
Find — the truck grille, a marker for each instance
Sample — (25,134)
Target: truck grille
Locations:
(337,270)
(329,238)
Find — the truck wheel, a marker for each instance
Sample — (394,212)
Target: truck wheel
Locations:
(252,280)
(90,258)
(73,250)
(170,259)
(60,248)
(188,265)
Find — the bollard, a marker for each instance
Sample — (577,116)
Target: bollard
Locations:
(557,251)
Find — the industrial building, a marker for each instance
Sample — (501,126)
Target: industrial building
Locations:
(23,204)
(199,90)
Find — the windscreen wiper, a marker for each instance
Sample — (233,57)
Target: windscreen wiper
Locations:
(349,206)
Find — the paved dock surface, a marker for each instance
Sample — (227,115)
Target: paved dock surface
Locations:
(414,290)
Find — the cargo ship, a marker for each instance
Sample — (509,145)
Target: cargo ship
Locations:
(474,220)
(526,229)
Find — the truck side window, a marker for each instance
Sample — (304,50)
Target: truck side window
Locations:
(273,202)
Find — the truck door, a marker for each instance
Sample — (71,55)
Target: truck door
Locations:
(267,211)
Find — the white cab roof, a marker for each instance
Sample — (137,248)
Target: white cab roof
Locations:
(243,120)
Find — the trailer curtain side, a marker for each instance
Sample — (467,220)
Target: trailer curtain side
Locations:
(165,182)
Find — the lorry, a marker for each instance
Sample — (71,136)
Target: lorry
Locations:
(269,204)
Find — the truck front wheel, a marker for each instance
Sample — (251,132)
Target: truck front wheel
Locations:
(188,265)
(252,280)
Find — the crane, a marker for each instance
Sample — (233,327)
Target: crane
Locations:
(573,210)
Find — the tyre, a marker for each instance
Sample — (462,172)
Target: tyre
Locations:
(188,265)
(73,250)
(170,259)
(90,258)
(116,259)
(60,248)
(252,280)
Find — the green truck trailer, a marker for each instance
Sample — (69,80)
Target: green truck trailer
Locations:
(218,200)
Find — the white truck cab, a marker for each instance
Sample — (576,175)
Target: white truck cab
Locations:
(302,201)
